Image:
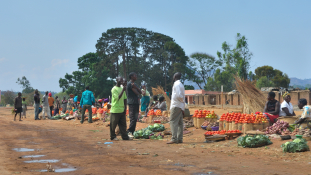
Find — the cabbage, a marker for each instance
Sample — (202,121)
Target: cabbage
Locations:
(253,141)
(151,127)
(296,145)
(156,125)
(298,140)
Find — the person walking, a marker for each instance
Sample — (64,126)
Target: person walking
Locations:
(118,110)
(18,106)
(51,103)
(64,105)
(24,106)
(56,106)
(36,98)
(177,110)
(133,94)
(46,107)
(87,100)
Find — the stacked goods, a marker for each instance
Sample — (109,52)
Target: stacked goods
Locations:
(211,116)
(253,141)
(298,145)
(277,127)
(150,115)
(210,126)
(158,113)
(194,118)
(296,131)
(201,117)
(222,132)
(94,110)
(71,113)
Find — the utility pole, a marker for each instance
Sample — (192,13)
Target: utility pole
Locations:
(222,93)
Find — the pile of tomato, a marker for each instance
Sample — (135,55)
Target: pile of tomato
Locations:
(222,132)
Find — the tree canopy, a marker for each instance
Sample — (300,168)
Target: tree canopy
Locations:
(25,85)
(90,74)
(274,77)
(236,62)
(153,56)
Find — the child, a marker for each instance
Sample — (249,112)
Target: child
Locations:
(24,106)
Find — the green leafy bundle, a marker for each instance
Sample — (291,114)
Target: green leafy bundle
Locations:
(298,145)
(253,141)
(147,132)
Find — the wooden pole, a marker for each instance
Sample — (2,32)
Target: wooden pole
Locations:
(222,103)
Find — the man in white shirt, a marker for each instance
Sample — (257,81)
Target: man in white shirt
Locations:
(177,110)
(46,107)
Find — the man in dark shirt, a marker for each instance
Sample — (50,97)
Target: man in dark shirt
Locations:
(18,106)
(37,104)
(133,93)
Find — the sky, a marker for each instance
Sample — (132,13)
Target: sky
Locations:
(42,40)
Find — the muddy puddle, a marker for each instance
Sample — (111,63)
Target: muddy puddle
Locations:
(23,149)
(32,156)
(61,170)
(42,161)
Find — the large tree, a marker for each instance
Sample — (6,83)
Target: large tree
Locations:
(153,56)
(204,66)
(277,77)
(8,97)
(236,62)
(91,74)
(25,85)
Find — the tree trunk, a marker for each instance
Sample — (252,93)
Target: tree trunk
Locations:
(117,65)
(124,64)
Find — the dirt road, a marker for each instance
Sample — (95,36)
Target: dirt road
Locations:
(80,149)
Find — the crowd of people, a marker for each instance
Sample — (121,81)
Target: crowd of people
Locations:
(124,94)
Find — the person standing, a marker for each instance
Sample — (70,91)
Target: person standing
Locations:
(64,105)
(86,101)
(46,107)
(18,106)
(133,94)
(57,105)
(24,106)
(177,110)
(37,104)
(118,110)
(51,103)
(145,100)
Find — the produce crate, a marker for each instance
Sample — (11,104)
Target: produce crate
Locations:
(231,136)
(215,137)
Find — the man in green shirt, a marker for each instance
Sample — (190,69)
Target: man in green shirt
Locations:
(118,110)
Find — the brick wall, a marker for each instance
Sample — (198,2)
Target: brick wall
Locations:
(306,95)
(235,99)
(294,98)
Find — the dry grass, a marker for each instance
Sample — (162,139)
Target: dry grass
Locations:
(159,91)
(253,99)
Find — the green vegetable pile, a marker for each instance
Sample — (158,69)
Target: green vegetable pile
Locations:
(254,141)
(156,127)
(298,145)
(149,132)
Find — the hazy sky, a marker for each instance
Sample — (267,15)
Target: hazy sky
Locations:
(43,39)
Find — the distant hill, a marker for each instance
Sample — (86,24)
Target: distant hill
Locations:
(299,82)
